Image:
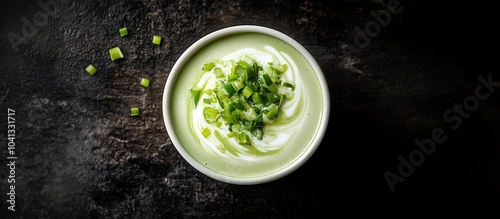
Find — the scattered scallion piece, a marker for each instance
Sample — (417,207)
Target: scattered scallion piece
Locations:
(134,111)
(91,69)
(145,82)
(156,40)
(115,53)
(123,32)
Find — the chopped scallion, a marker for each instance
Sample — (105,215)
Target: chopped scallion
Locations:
(245,97)
(156,40)
(247,92)
(123,32)
(238,85)
(91,69)
(145,82)
(243,138)
(115,53)
(134,111)
(229,88)
(272,113)
(287,84)
(195,94)
(206,132)
(267,79)
(257,98)
(210,114)
(208,66)
(218,73)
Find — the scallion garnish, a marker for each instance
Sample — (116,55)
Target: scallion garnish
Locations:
(91,69)
(243,98)
(206,132)
(195,94)
(123,32)
(218,73)
(287,84)
(156,40)
(134,111)
(208,66)
(115,53)
(145,82)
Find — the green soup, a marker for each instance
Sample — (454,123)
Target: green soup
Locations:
(286,139)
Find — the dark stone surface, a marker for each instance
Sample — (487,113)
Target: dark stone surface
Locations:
(80,154)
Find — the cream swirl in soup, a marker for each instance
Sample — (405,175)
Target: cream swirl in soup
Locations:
(276,133)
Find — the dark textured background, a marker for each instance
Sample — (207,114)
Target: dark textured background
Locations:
(80,154)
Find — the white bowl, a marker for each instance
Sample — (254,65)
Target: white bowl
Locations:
(297,149)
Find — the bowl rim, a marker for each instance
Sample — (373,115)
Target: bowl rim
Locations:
(205,40)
